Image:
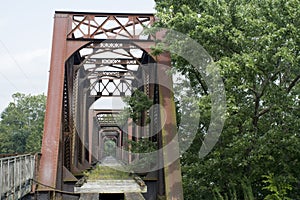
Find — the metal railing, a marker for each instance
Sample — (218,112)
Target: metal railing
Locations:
(16,175)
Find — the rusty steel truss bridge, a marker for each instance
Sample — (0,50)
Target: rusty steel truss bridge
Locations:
(98,56)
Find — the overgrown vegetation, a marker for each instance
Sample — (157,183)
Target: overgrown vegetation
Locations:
(106,173)
(144,145)
(256,45)
(137,104)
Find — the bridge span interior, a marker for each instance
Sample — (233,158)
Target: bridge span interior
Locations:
(97,59)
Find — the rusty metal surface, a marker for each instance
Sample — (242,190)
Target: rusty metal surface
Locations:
(172,170)
(53,116)
(109,26)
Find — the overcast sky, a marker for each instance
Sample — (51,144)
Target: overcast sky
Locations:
(26,36)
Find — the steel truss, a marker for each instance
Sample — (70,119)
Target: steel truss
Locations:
(97,55)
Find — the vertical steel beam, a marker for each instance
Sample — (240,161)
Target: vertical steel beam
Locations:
(172,170)
(90,131)
(53,117)
(130,134)
(51,163)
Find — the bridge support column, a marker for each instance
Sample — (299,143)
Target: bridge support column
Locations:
(172,171)
(52,130)
(51,163)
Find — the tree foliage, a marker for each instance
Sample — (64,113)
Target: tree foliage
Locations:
(137,103)
(256,45)
(21,124)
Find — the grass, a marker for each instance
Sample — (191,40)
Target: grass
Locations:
(106,173)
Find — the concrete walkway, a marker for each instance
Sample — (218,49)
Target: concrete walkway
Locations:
(93,187)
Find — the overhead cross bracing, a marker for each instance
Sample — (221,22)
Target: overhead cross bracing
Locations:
(111,68)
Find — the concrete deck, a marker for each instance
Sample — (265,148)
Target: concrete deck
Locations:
(111,186)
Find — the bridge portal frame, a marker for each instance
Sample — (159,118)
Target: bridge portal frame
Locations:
(71,32)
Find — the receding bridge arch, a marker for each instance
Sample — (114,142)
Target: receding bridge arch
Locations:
(95,56)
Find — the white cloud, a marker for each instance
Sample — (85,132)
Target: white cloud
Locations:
(28,57)
(3,23)
(25,72)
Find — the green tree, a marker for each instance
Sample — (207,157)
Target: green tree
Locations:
(256,45)
(21,124)
(137,104)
